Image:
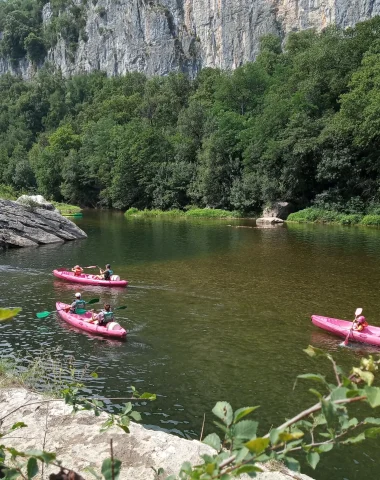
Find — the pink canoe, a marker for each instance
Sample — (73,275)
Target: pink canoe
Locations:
(370,334)
(112,329)
(87,279)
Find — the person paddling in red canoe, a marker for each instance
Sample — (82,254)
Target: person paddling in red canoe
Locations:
(103,317)
(77,270)
(78,303)
(360,323)
(105,274)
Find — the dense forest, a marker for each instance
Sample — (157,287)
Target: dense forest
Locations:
(301,124)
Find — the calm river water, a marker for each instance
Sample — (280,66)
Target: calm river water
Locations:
(215,312)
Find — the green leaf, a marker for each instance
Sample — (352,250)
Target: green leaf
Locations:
(93,472)
(313,459)
(258,445)
(32,467)
(223,410)
(339,393)
(148,396)
(213,441)
(127,408)
(326,447)
(372,420)
(243,412)
(15,453)
(94,375)
(274,436)
(292,464)
(221,426)
(11,474)
(287,437)
(316,377)
(7,313)
(186,468)
(17,425)
(241,454)
(373,396)
(315,392)
(108,467)
(245,429)
(123,427)
(136,416)
(367,377)
(359,438)
(247,469)
(373,432)
(329,411)
(315,352)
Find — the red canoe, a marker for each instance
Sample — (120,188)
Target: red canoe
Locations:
(87,279)
(112,329)
(370,334)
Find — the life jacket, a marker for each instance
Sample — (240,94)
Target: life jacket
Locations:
(78,272)
(107,317)
(107,274)
(79,304)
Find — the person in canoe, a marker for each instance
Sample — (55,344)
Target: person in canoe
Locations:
(105,274)
(103,317)
(360,323)
(77,270)
(78,303)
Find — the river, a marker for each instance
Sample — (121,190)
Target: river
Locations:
(217,310)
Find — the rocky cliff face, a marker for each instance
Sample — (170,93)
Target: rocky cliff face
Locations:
(161,36)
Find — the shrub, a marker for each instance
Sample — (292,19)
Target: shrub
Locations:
(371,220)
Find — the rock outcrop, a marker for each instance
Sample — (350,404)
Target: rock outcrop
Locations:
(79,444)
(161,36)
(29,226)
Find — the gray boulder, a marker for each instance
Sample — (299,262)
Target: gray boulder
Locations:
(280,210)
(28,226)
(35,201)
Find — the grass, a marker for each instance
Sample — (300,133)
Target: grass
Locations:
(65,208)
(318,215)
(45,373)
(190,213)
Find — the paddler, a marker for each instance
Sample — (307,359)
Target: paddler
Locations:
(104,316)
(105,274)
(78,303)
(360,323)
(77,270)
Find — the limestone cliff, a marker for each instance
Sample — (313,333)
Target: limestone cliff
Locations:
(161,36)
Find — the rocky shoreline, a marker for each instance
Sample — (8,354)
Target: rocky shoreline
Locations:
(78,442)
(33,225)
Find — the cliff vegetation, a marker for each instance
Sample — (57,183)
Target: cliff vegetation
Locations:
(300,124)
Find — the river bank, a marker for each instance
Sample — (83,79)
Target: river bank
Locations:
(79,443)
(318,215)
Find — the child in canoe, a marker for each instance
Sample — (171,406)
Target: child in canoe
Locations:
(77,270)
(103,317)
(360,323)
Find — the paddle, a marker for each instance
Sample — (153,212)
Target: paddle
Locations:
(358,312)
(69,269)
(46,314)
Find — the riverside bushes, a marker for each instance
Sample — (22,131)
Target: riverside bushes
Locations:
(193,212)
(318,215)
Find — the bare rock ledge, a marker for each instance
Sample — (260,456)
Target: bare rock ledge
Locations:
(78,442)
(25,226)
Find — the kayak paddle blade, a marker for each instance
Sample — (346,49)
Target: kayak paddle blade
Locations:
(93,300)
(123,307)
(43,314)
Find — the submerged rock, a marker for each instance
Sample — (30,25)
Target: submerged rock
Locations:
(78,443)
(30,226)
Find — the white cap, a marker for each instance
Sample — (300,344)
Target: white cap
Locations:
(78,294)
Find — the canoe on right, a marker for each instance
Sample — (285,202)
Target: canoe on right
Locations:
(370,334)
